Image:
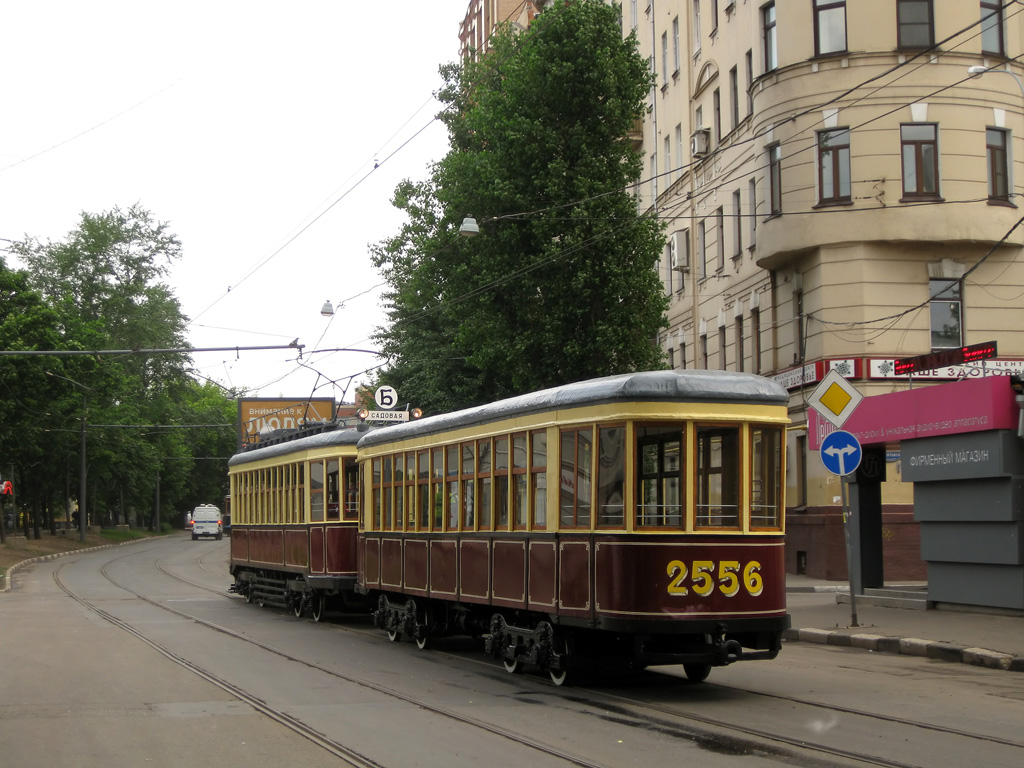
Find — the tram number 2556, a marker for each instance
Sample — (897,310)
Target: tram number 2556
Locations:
(703,575)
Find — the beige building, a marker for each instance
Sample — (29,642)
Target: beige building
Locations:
(839,193)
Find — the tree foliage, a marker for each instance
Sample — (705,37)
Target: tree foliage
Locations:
(560,285)
(102,288)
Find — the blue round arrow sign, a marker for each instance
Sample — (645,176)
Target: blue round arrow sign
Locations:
(840,453)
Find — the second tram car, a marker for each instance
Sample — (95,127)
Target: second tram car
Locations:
(295,519)
(634,519)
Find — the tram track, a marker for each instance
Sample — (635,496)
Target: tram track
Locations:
(335,748)
(622,710)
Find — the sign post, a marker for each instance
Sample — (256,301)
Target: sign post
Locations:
(835,399)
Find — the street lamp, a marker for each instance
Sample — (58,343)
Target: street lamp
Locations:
(978,71)
(469,227)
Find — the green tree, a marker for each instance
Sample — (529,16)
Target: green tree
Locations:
(561,285)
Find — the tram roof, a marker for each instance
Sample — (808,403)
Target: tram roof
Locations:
(648,386)
(326,439)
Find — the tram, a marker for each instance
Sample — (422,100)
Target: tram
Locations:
(631,520)
(295,518)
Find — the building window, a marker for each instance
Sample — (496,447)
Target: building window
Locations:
(775,178)
(734,98)
(716,104)
(679,145)
(998,167)
(755,339)
(920,150)
(721,347)
(750,82)
(834,166)
(737,224)
(752,194)
(740,352)
(829,26)
(668,161)
(768,39)
(654,177)
(664,58)
(633,14)
(704,351)
(701,256)
(914,24)
(992,27)
(946,313)
(714,16)
(695,25)
(720,246)
(675,45)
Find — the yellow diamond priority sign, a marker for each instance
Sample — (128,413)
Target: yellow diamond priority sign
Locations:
(835,399)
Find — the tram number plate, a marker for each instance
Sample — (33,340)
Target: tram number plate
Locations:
(702,576)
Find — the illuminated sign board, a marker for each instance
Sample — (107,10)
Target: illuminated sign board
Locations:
(957,356)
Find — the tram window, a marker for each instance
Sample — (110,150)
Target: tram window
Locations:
(300,491)
(718,477)
(351,508)
(376,494)
(662,500)
(539,478)
(437,472)
(316,491)
(501,483)
(333,491)
(611,476)
(410,490)
(574,499)
(483,483)
(397,493)
(423,490)
(519,482)
(766,477)
(468,486)
(452,457)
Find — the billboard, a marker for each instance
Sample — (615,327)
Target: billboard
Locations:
(263,415)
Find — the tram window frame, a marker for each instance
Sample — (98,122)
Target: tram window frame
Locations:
(333,490)
(706,434)
(576,515)
(766,475)
(451,458)
(467,455)
(437,485)
(409,491)
(485,483)
(375,489)
(502,512)
(519,445)
(539,479)
(317,513)
(611,478)
(350,476)
(661,476)
(387,508)
(300,469)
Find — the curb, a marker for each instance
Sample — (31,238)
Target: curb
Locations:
(909,646)
(5,583)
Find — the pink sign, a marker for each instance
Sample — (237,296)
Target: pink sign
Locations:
(973,405)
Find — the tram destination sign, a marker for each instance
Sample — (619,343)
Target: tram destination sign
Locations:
(957,356)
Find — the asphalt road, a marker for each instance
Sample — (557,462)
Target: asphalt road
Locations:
(137,655)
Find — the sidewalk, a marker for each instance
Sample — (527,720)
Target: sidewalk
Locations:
(980,638)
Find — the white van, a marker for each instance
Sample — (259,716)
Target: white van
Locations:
(207,521)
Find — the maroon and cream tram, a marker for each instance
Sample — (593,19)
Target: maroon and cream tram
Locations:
(295,513)
(634,519)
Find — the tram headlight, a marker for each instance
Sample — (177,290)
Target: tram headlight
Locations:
(362,413)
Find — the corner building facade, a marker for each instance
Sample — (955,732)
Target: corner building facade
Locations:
(839,192)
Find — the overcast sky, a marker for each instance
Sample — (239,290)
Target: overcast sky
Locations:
(238,123)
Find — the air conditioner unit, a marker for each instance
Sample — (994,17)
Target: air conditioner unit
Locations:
(678,252)
(700,143)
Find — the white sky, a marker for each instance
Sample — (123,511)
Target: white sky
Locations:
(237,123)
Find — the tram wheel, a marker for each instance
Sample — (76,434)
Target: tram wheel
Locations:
(423,643)
(259,598)
(298,606)
(697,673)
(513,666)
(319,604)
(394,635)
(562,646)
(249,596)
